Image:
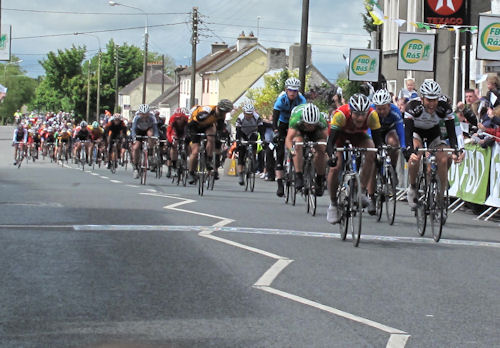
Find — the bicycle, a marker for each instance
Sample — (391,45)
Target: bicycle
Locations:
(309,173)
(158,158)
(181,164)
(290,191)
(20,154)
(349,201)
(201,170)
(83,153)
(143,166)
(250,163)
(113,158)
(429,202)
(385,191)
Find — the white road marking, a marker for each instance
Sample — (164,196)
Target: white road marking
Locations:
(397,340)
(116,181)
(133,186)
(151,190)
(92,173)
(103,177)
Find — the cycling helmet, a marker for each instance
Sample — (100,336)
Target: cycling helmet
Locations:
(143,108)
(225,105)
(382,97)
(50,129)
(359,103)
(248,108)
(430,89)
(292,83)
(83,124)
(182,111)
(95,124)
(310,114)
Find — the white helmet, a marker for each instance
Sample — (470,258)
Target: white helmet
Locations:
(310,114)
(382,97)
(359,103)
(430,89)
(143,108)
(248,108)
(292,83)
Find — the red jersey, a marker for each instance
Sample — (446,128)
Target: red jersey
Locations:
(342,120)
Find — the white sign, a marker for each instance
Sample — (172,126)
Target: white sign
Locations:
(488,38)
(416,51)
(364,65)
(494,198)
(5,39)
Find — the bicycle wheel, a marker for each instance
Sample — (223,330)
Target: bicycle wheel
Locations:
(144,166)
(355,215)
(379,194)
(446,204)
(252,175)
(159,163)
(211,176)
(421,209)
(246,171)
(83,156)
(435,209)
(201,173)
(390,193)
(343,206)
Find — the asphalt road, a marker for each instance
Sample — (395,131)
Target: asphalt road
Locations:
(92,259)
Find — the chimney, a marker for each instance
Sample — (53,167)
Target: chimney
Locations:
(218,46)
(244,41)
(294,56)
(276,58)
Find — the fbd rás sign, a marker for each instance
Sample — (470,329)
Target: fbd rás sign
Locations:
(416,51)
(488,45)
(364,65)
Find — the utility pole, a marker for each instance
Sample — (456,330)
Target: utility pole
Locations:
(162,73)
(194,41)
(117,109)
(303,45)
(467,45)
(145,68)
(88,92)
(98,85)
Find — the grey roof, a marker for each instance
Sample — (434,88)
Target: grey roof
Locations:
(152,78)
(173,91)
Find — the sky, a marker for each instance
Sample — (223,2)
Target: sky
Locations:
(41,26)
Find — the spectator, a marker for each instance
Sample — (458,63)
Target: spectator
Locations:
(401,103)
(409,92)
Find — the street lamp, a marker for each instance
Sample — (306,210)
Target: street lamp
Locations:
(98,78)
(144,69)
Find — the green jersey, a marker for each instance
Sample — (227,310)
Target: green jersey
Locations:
(297,122)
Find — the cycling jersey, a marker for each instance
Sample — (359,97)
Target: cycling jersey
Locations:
(114,130)
(143,124)
(342,120)
(297,121)
(205,116)
(247,126)
(96,133)
(393,120)
(82,133)
(176,126)
(426,120)
(20,135)
(285,105)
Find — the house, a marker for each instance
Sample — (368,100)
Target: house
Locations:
(227,72)
(130,96)
(412,12)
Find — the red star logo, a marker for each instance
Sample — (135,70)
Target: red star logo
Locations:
(445,7)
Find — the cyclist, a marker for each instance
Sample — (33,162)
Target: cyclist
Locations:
(421,119)
(249,126)
(283,106)
(208,120)
(47,137)
(19,138)
(391,122)
(115,130)
(62,136)
(176,130)
(308,124)
(350,123)
(144,124)
(82,133)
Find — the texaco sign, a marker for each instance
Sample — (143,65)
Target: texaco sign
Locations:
(445,12)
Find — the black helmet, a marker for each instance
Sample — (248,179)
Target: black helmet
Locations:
(225,105)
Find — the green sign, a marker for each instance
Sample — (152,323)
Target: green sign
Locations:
(474,174)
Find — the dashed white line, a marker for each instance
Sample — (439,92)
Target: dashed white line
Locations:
(116,181)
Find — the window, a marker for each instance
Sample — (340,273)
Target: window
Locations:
(390,28)
(391,86)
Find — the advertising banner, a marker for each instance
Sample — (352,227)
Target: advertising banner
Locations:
(494,197)
(416,51)
(474,174)
(364,65)
(451,12)
(488,38)
(5,39)
(454,179)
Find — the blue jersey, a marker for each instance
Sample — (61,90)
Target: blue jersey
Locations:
(285,105)
(394,120)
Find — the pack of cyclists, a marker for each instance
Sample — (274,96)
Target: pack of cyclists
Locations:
(361,122)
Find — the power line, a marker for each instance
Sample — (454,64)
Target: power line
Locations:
(95,13)
(95,31)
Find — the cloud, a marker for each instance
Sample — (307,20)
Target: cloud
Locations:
(333,27)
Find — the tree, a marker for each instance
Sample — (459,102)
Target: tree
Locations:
(21,90)
(367,19)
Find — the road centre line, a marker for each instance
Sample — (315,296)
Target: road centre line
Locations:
(116,181)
